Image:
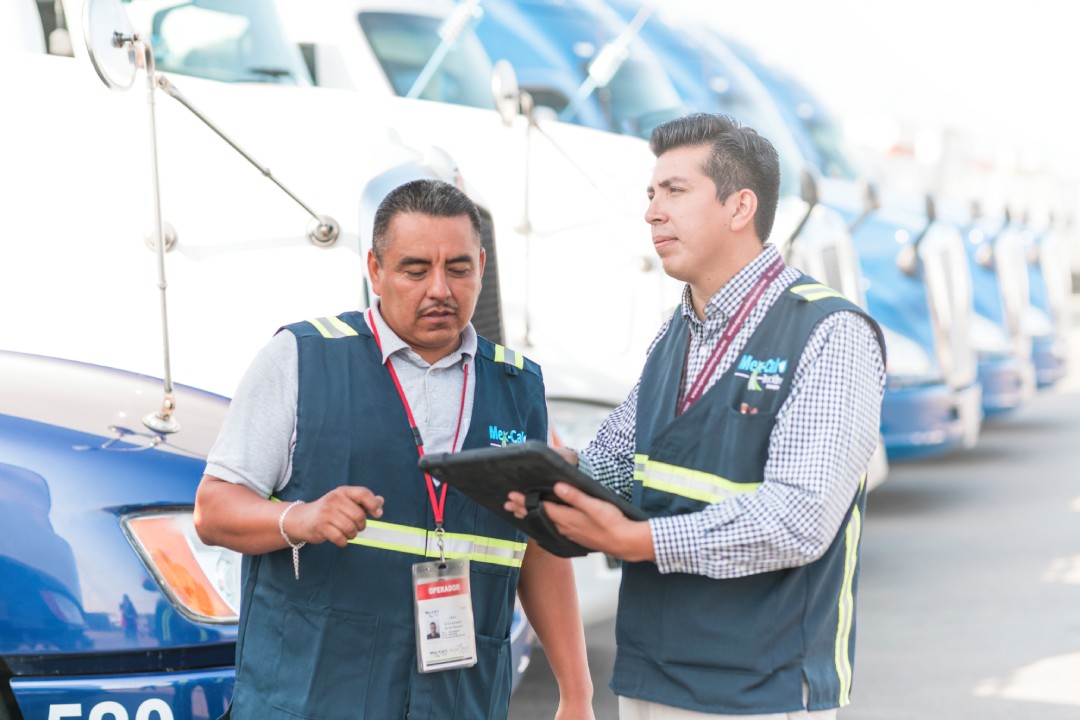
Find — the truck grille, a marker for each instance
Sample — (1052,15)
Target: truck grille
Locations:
(948,287)
(488,317)
(1010,265)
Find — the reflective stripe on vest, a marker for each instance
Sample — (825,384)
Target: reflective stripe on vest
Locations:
(508,356)
(414,541)
(418,541)
(692,484)
(846,605)
(815,291)
(332,327)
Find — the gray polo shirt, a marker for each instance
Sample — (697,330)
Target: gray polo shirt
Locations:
(255,445)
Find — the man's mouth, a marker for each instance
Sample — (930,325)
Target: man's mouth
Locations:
(438,313)
(662,241)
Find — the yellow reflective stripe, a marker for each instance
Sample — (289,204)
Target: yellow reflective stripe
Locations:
(693,484)
(510,357)
(415,541)
(342,327)
(321,328)
(332,327)
(815,291)
(846,604)
(482,549)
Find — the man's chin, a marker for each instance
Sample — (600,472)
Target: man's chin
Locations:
(673,269)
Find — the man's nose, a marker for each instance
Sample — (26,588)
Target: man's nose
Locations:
(439,286)
(653,214)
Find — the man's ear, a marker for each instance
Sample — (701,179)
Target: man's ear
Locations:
(374,273)
(744,209)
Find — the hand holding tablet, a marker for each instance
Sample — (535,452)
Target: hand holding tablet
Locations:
(488,475)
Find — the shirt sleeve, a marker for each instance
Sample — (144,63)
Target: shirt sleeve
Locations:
(609,458)
(255,444)
(819,449)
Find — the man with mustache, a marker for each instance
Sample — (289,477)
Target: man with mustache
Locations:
(314,478)
(746,440)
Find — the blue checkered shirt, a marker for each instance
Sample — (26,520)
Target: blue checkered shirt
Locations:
(819,448)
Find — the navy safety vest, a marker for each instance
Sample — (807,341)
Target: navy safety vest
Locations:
(743,645)
(339,643)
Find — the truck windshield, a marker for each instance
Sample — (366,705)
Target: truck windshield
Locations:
(640,95)
(225,40)
(403,44)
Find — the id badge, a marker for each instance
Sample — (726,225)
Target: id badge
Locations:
(445,638)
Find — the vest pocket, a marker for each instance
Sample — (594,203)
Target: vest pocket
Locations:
(727,625)
(481,692)
(324,663)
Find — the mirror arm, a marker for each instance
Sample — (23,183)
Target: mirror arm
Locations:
(931,216)
(809,193)
(574,163)
(162,421)
(525,228)
(324,233)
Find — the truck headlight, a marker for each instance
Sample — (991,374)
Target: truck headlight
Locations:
(202,581)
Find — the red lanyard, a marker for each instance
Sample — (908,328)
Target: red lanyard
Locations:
(697,388)
(437,505)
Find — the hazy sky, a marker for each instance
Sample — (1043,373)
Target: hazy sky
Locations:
(997,71)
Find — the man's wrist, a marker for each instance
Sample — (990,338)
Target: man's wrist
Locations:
(638,542)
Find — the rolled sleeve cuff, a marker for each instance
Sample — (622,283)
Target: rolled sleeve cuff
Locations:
(675,544)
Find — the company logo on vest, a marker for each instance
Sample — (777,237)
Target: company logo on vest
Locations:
(762,374)
(502,438)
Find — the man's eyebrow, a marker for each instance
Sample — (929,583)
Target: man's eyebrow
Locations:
(409,261)
(668,182)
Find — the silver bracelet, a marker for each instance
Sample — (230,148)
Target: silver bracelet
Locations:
(285,536)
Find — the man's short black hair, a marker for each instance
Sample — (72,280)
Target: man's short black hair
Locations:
(740,158)
(426,197)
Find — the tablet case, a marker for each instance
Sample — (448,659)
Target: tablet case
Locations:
(487,475)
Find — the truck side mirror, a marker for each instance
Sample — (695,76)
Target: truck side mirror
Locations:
(808,187)
(505,91)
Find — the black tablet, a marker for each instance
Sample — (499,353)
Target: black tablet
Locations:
(488,475)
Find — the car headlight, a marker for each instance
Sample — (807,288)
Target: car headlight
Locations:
(202,581)
(574,423)
(988,337)
(906,359)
